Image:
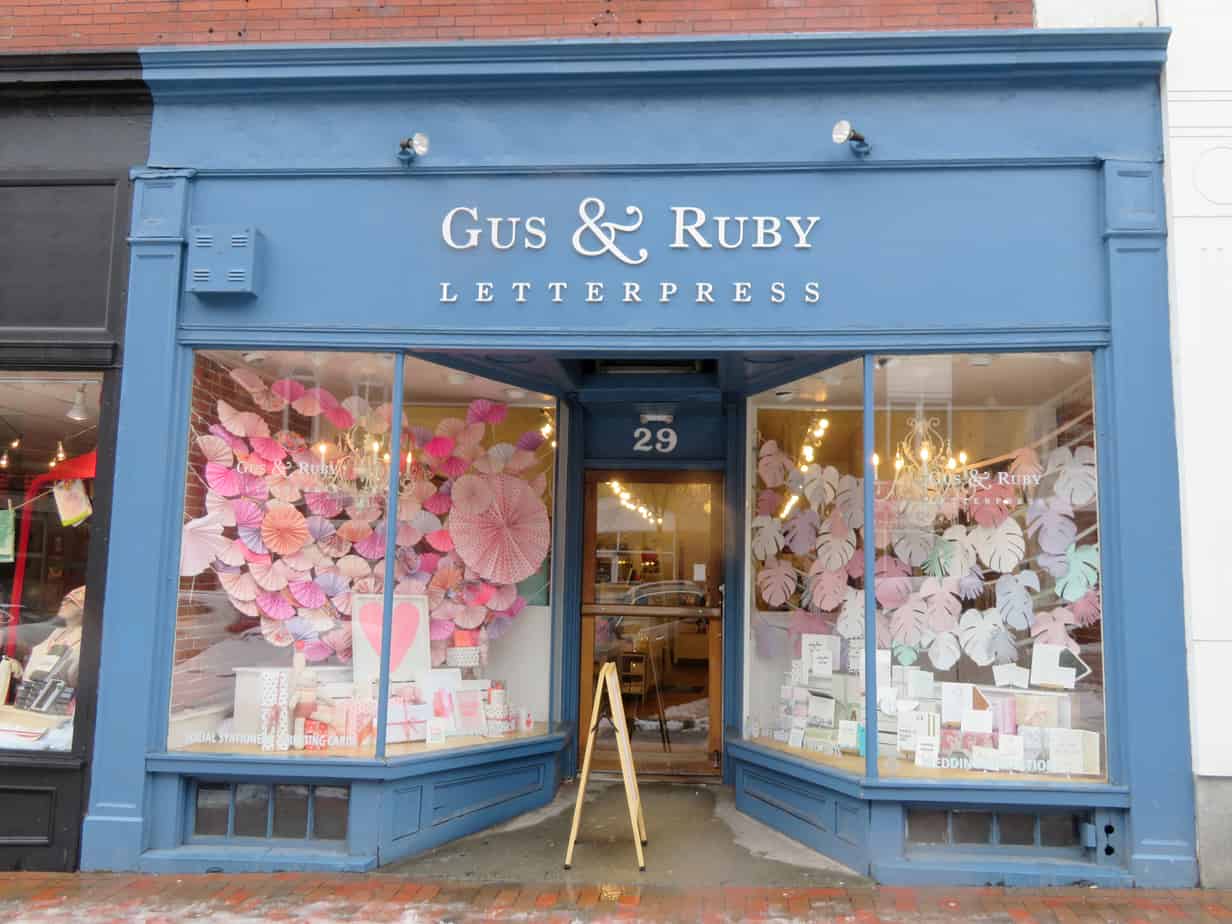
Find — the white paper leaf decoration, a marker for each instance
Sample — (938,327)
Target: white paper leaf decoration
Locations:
(777,581)
(772,464)
(962,554)
(767,536)
(984,637)
(1083,573)
(850,500)
(826,589)
(1077,480)
(943,604)
(1014,600)
(820,485)
(909,622)
(851,620)
(914,544)
(944,651)
(1000,547)
(836,542)
(801,531)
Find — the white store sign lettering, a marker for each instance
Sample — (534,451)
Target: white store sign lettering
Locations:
(466,228)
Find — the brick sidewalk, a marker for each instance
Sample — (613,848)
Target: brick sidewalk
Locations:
(229,899)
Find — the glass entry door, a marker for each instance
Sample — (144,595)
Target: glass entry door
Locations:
(652,604)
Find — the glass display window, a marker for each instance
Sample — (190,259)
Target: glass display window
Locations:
(806,555)
(285,572)
(49,426)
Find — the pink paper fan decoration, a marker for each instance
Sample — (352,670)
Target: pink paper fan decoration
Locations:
(453,467)
(334,546)
(508,541)
(539,483)
(201,542)
(248,609)
(530,440)
(472,617)
(439,447)
(287,389)
(247,423)
(355,530)
(495,459)
(238,446)
(284,529)
(233,554)
(253,487)
(276,633)
(368,513)
(369,585)
(223,480)
(216,450)
(332,582)
(266,400)
(438,503)
(307,558)
(319,527)
(408,535)
(353,566)
(250,536)
(478,593)
(429,562)
(440,651)
(520,461)
(251,556)
(308,403)
(340,417)
(291,442)
(306,481)
(485,411)
(317,619)
(247,379)
(357,407)
(281,487)
(441,540)
(425,521)
(268,448)
(307,594)
(316,651)
(275,606)
(446,578)
(342,603)
(498,625)
(440,630)
(339,639)
(272,576)
(503,597)
(323,503)
(239,586)
(420,436)
(372,546)
(471,494)
(216,503)
(247,513)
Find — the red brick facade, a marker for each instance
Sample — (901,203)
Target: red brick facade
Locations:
(37,25)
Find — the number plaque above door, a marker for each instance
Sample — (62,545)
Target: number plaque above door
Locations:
(683,434)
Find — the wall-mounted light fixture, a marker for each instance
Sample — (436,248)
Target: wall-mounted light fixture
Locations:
(78,410)
(657,418)
(843,133)
(410,148)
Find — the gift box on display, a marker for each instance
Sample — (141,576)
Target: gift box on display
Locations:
(360,722)
(408,721)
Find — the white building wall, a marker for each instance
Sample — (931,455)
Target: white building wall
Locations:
(1198,120)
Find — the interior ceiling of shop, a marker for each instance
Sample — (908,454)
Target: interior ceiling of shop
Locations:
(35,405)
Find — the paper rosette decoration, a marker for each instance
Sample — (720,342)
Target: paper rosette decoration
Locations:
(507,540)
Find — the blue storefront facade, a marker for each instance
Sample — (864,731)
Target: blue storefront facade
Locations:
(618,237)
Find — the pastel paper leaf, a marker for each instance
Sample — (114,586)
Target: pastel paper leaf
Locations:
(961,555)
(892,580)
(851,620)
(1026,461)
(767,537)
(1052,628)
(985,639)
(772,464)
(1088,609)
(971,584)
(826,589)
(905,654)
(944,651)
(909,621)
(1076,476)
(849,499)
(777,581)
(1051,523)
(1082,574)
(943,605)
(1014,600)
(801,531)
(992,504)
(820,485)
(940,560)
(914,545)
(768,502)
(836,542)
(1000,547)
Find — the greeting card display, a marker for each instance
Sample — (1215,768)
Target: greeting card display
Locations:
(410,653)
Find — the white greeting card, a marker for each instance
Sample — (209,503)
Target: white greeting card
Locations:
(410,653)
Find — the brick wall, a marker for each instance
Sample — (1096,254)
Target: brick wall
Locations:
(31,25)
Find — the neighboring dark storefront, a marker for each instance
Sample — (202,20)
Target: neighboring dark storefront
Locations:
(70,128)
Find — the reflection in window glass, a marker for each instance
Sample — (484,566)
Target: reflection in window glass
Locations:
(987,582)
(283,567)
(806,688)
(48,437)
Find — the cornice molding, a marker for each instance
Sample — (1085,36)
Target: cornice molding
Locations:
(72,73)
(511,66)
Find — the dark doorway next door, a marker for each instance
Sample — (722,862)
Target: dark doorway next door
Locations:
(652,604)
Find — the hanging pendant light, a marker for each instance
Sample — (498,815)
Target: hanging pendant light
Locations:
(60,455)
(78,410)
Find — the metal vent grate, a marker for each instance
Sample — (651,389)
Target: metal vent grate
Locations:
(223,260)
(240,240)
(237,275)
(200,275)
(203,240)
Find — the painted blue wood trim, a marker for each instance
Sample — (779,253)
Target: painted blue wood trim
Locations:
(391,534)
(565,438)
(872,748)
(643,63)
(196,858)
(570,523)
(1028,872)
(235,766)
(114,831)
(735,604)
(599,342)
(933,792)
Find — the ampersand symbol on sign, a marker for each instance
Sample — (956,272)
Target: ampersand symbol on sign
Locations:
(590,210)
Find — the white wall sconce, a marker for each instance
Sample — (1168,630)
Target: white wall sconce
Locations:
(844,133)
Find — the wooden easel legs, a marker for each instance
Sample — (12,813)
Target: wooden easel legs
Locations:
(609,681)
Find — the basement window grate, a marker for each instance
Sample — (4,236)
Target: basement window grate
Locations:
(1014,830)
(242,811)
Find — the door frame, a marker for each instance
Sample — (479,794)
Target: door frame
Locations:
(715,578)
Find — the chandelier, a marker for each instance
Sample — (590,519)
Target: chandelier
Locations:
(926,468)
